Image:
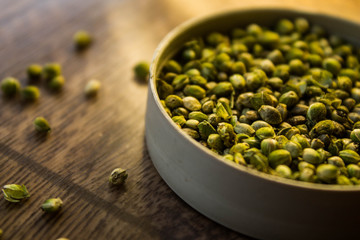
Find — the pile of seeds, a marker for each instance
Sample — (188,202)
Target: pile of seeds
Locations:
(282,100)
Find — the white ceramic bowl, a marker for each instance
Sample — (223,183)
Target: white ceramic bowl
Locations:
(245,200)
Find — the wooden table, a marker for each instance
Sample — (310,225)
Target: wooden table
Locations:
(91,137)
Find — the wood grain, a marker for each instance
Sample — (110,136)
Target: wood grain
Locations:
(92,137)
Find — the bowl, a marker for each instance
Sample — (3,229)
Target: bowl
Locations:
(250,202)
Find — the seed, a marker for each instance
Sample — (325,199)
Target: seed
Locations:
(311,156)
(51,70)
(141,70)
(30,93)
(57,83)
(92,88)
(10,86)
(34,72)
(52,205)
(41,124)
(118,177)
(82,40)
(284,171)
(191,103)
(270,114)
(327,172)
(279,157)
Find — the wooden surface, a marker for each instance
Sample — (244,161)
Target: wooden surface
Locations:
(92,137)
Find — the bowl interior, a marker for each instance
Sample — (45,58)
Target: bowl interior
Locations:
(226,21)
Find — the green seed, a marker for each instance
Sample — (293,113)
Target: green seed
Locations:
(192,133)
(192,123)
(118,177)
(293,148)
(302,165)
(34,72)
(254,157)
(237,81)
(197,115)
(283,171)
(284,26)
(343,180)
(57,83)
(92,88)
(173,101)
(289,98)
(327,172)
(316,112)
(180,81)
(173,66)
(195,91)
(41,124)
(244,128)
(239,148)
(30,93)
(311,156)
(268,145)
(355,135)
(51,70)
(301,25)
(265,132)
(270,114)
(208,107)
(279,157)
(10,86)
(141,70)
(349,156)
(82,40)
(336,161)
(239,159)
(259,124)
(191,103)
(297,67)
(269,39)
(215,142)
(307,175)
(52,205)
(260,99)
(223,89)
(353,170)
(332,65)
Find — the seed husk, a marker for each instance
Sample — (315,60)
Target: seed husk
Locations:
(118,177)
(15,193)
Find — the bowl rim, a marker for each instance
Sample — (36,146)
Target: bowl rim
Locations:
(175,32)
